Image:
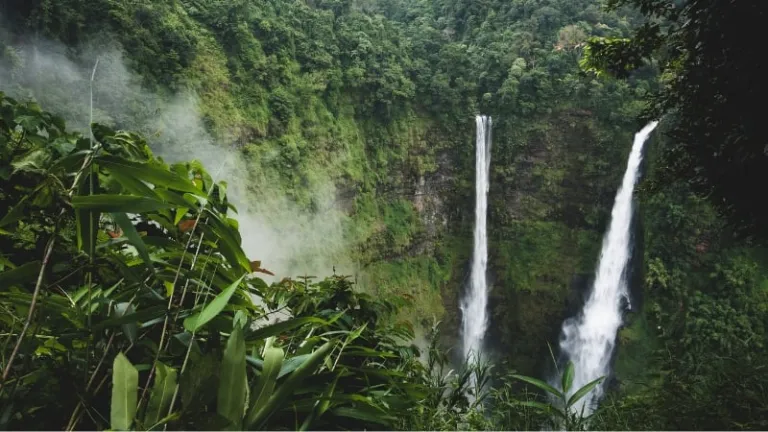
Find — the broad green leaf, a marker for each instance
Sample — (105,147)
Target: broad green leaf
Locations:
(133,237)
(22,274)
(229,241)
(212,309)
(133,185)
(119,203)
(365,413)
(262,391)
(291,384)
(141,315)
(281,327)
(171,197)
(580,393)
(162,394)
(232,385)
(320,406)
(291,364)
(180,212)
(545,408)
(155,174)
(567,377)
(540,384)
(129,329)
(125,387)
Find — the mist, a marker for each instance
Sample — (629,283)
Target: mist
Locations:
(289,239)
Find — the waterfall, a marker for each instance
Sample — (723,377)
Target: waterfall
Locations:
(589,339)
(473,305)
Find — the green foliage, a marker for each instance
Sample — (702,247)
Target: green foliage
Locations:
(153,323)
(717,147)
(563,414)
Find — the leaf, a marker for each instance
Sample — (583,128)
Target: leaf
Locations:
(162,394)
(212,309)
(155,174)
(229,241)
(133,237)
(256,267)
(16,213)
(125,387)
(232,386)
(262,391)
(567,377)
(110,203)
(187,225)
(180,212)
(545,408)
(198,379)
(133,185)
(291,365)
(281,327)
(291,384)
(21,274)
(142,315)
(369,414)
(580,393)
(129,329)
(540,384)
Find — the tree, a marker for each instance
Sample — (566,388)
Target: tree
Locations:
(712,76)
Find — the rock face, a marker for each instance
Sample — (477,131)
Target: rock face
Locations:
(550,193)
(431,195)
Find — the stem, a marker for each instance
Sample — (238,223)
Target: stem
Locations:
(33,304)
(46,259)
(89,275)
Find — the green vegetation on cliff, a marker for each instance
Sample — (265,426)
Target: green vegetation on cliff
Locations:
(344,131)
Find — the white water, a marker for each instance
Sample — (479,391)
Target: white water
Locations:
(589,340)
(473,305)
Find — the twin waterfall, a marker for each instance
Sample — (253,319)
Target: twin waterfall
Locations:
(589,339)
(475,301)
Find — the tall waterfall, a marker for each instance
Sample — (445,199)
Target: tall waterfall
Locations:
(589,339)
(475,301)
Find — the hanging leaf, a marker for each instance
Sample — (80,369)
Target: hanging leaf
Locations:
(119,203)
(133,237)
(133,185)
(155,174)
(232,385)
(125,387)
(210,311)
(162,394)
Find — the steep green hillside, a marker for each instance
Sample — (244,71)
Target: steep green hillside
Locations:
(366,109)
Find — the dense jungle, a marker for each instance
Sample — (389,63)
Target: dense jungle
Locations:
(259,214)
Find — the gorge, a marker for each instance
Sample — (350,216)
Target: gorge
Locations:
(327,157)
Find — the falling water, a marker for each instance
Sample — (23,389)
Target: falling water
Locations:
(473,305)
(589,339)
